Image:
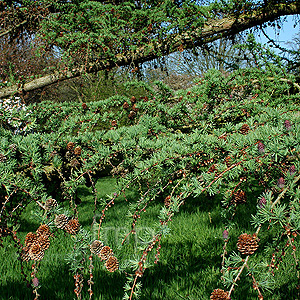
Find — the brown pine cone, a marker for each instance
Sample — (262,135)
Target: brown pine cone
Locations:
(125,105)
(70,146)
(131,115)
(219,294)
(30,238)
(247,244)
(61,221)
(244,129)
(239,197)
(96,247)
(43,230)
(167,201)
(114,123)
(112,264)
(72,226)
(228,161)
(77,151)
(2,157)
(105,253)
(44,242)
(134,108)
(36,252)
(212,169)
(74,163)
(50,204)
(25,253)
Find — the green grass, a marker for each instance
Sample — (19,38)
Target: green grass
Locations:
(189,265)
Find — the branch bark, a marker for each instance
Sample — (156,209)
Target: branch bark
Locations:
(212,30)
(8,31)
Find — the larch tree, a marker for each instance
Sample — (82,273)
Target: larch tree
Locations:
(98,35)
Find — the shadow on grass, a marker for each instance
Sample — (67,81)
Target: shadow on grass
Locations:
(58,284)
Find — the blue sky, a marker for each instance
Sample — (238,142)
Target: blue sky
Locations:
(283,35)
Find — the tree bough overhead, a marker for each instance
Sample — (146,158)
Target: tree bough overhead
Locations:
(95,35)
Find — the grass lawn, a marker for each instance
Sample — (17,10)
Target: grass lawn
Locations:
(189,265)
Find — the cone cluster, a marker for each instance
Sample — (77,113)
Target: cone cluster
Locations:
(133,109)
(71,226)
(247,244)
(36,244)
(105,253)
(219,294)
(72,155)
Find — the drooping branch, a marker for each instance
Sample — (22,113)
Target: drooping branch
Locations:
(211,30)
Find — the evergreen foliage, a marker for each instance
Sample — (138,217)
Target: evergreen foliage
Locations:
(100,35)
(233,137)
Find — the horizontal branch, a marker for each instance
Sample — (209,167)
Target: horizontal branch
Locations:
(212,30)
(8,31)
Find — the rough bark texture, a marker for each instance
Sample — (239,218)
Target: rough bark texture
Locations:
(213,30)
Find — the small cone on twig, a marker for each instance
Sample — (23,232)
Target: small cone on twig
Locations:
(30,238)
(77,151)
(112,264)
(239,197)
(70,146)
(244,129)
(61,221)
(167,201)
(228,161)
(247,244)
(219,294)
(105,253)
(125,105)
(74,163)
(96,247)
(72,226)
(261,148)
(36,252)
(50,204)
(2,157)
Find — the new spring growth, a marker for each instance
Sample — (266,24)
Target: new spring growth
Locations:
(287,125)
(262,202)
(261,148)
(280,182)
(35,282)
(225,234)
(292,170)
